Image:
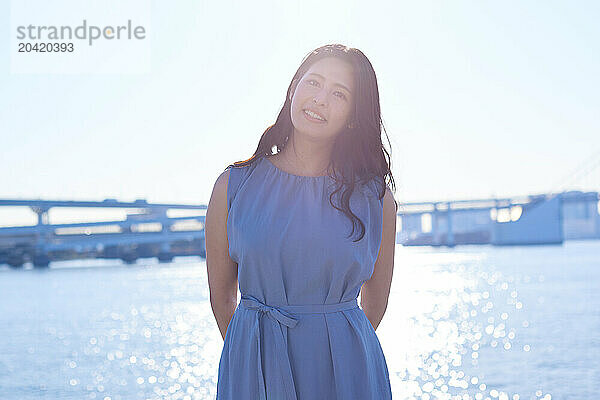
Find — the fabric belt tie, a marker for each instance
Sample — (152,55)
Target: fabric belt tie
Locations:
(279,315)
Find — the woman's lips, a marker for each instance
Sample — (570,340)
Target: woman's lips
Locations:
(311,119)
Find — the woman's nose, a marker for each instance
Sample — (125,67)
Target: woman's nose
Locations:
(321,98)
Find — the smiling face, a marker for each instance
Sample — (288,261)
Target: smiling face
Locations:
(323,99)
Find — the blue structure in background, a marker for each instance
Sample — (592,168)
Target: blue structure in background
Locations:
(580,215)
(530,220)
(527,220)
(149,233)
(540,223)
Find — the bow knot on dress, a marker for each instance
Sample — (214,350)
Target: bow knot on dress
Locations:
(272,312)
(280,316)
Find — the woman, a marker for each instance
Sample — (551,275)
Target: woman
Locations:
(278,224)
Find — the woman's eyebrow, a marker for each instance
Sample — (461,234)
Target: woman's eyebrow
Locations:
(338,84)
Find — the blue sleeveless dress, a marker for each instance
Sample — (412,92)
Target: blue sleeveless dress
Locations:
(298,332)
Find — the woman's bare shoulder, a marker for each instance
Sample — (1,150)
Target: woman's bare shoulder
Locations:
(219,192)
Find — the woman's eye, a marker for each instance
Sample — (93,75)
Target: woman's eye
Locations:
(341,95)
(310,81)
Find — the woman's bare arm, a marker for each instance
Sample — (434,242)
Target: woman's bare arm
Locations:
(221,269)
(375,292)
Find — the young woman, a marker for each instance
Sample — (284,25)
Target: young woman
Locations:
(282,225)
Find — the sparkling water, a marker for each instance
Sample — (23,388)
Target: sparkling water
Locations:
(473,322)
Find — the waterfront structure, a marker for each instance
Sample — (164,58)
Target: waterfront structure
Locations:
(526,220)
(149,232)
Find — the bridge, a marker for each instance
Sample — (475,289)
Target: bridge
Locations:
(535,219)
(147,232)
(538,219)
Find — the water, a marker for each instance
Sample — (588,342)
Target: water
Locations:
(474,322)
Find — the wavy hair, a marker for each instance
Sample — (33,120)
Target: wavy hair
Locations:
(358,154)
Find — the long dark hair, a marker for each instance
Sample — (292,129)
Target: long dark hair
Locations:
(358,154)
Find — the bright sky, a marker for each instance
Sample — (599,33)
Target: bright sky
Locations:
(479,98)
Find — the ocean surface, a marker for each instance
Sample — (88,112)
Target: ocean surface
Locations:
(473,322)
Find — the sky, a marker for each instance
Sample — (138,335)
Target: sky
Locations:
(479,99)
